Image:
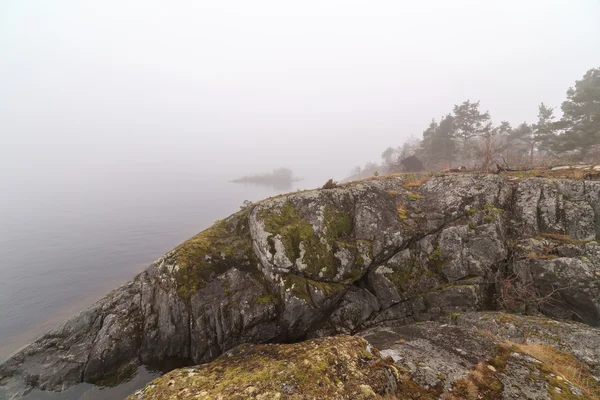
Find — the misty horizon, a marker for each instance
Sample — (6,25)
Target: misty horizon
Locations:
(94,91)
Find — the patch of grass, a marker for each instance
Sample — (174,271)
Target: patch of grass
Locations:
(500,359)
(401,212)
(414,196)
(480,383)
(562,364)
(562,238)
(414,180)
(505,318)
(569,173)
(491,209)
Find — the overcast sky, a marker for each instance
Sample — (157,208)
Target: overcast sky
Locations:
(246,86)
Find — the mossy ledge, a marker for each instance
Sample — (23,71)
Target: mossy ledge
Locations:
(340,367)
(224,245)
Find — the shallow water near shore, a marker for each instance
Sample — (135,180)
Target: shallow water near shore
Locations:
(86,391)
(65,245)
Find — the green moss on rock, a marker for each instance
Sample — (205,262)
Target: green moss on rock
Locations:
(352,275)
(266,299)
(337,223)
(300,287)
(289,225)
(297,286)
(224,245)
(301,242)
(335,367)
(327,288)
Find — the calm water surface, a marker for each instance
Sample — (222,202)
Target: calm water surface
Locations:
(64,244)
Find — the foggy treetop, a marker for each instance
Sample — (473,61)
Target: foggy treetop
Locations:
(156,89)
(468,137)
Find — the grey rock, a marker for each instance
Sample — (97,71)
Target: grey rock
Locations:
(439,355)
(366,254)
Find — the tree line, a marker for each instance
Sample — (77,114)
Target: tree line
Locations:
(466,136)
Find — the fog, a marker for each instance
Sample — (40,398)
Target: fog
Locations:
(123,122)
(90,91)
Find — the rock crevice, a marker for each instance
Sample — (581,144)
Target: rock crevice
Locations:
(382,252)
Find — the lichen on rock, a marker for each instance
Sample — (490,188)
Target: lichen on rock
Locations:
(340,367)
(372,254)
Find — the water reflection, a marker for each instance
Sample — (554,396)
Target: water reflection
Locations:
(86,391)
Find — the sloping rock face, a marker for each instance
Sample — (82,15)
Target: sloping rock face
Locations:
(468,356)
(384,252)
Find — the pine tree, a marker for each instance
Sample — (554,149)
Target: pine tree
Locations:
(469,122)
(524,134)
(438,142)
(581,116)
(544,130)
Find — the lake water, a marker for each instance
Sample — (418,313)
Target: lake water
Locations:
(64,244)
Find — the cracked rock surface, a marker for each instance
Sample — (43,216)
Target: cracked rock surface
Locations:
(375,253)
(475,355)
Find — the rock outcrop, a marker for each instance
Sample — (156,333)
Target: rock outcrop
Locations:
(343,367)
(382,252)
(476,355)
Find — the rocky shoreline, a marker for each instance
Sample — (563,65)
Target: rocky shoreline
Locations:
(372,254)
(475,355)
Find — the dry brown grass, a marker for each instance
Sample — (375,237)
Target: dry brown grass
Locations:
(407,177)
(571,173)
(415,180)
(562,238)
(401,212)
(562,364)
(480,383)
(330,184)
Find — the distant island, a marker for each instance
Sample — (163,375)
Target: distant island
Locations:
(279,178)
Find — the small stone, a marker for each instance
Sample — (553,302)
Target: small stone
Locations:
(367,391)
(491,368)
(288,389)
